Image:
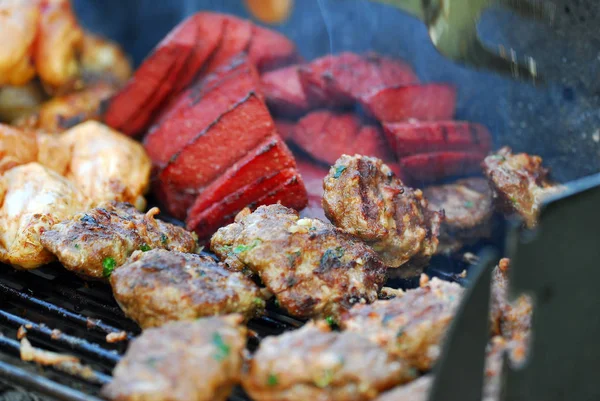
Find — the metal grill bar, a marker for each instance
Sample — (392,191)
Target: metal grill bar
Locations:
(93,324)
(75,343)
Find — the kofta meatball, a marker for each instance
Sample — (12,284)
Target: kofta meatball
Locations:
(197,360)
(364,198)
(411,326)
(468,209)
(314,363)
(312,268)
(94,243)
(520,183)
(159,286)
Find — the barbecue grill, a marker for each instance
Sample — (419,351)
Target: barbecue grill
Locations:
(559,121)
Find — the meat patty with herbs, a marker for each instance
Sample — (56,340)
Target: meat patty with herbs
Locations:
(468,209)
(315,363)
(197,360)
(411,326)
(94,243)
(520,183)
(159,286)
(364,198)
(312,268)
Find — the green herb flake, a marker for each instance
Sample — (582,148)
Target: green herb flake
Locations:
(338,171)
(293,258)
(144,248)
(276,302)
(331,321)
(108,265)
(513,200)
(325,379)
(413,372)
(272,380)
(400,332)
(245,248)
(76,246)
(259,302)
(469,204)
(163,238)
(223,349)
(312,229)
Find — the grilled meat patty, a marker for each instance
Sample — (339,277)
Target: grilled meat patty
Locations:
(520,183)
(412,326)
(159,286)
(314,363)
(197,360)
(93,243)
(311,267)
(418,390)
(364,198)
(468,209)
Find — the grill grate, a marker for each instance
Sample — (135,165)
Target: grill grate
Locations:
(65,314)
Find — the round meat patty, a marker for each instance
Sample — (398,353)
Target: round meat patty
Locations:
(412,326)
(364,198)
(316,364)
(159,286)
(199,360)
(468,209)
(312,268)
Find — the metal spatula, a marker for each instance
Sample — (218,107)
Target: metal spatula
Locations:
(452,26)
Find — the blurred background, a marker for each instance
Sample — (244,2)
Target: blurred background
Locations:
(560,121)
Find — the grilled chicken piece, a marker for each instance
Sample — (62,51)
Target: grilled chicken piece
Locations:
(412,326)
(21,147)
(16,147)
(312,268)
(468,209)
(18,102)
(314,363)
(198,360)
(32,199)
(19,21)
(94,243)
(59,41)
(159,286)
(102,59)
(510,319)
(520,183)
(63,112)
(106,164)
(364,198)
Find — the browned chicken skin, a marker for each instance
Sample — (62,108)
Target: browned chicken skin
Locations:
(520,183)
(468,209)
(94,243)
(32,199)
(64,112)
(198,360)
(159,286)
(364,198)
(311,267)
(314,363)
(411,326)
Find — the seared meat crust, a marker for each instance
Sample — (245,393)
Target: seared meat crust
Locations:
(468,209)
(313,363)
(91,243)
(412,326)
(311,267)
(159,286)
(364,198)
(197,360)
(520,183)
